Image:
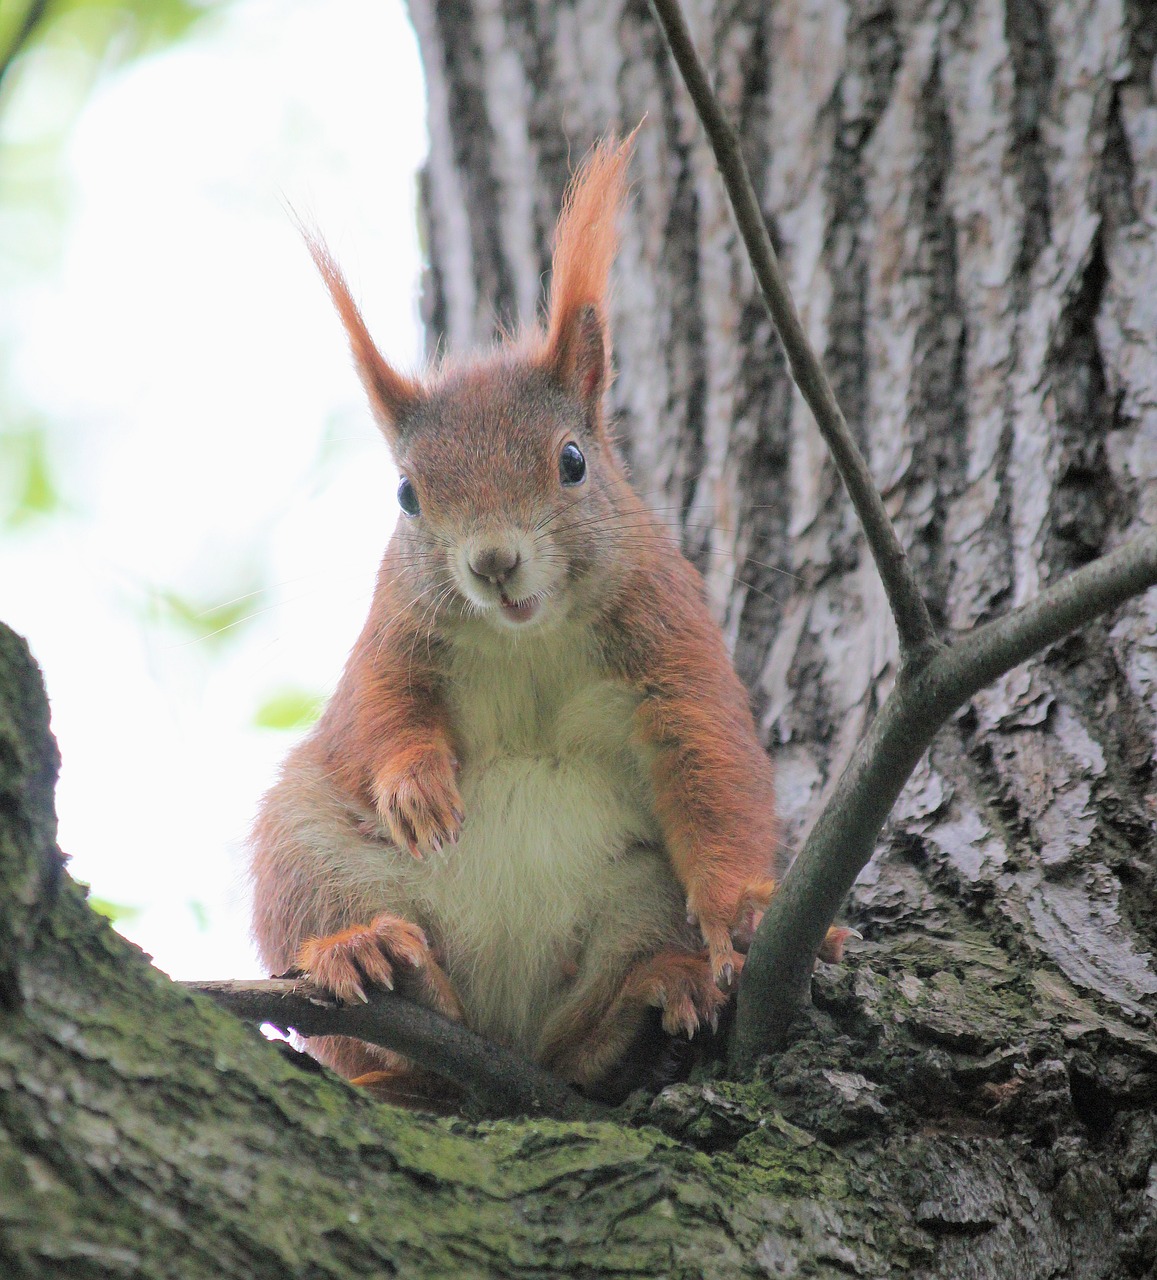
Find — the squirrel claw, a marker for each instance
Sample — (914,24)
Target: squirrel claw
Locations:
(681,984)
(419,805)
(345,963)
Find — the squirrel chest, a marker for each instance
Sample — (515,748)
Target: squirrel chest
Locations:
(556,796)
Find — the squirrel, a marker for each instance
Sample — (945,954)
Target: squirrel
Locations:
(536,800)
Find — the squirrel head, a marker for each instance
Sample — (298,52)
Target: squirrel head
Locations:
(510,479)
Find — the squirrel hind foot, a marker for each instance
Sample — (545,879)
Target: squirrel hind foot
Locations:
(593,1043)
(683,986)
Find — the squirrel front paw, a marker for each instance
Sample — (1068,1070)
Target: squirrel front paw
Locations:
(716,922)
(419,804)
(728,931)
(387,952)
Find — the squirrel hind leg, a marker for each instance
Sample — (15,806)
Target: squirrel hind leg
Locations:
(596,1042)
(394,953)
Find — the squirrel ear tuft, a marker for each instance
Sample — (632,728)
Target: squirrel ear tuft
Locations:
(577,339)
(392,394)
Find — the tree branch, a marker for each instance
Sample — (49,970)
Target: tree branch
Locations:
(779,964)
(917,637)
(499,1082)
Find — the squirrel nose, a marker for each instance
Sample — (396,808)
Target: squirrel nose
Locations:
(495,564)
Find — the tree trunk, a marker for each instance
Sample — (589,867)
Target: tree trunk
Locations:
(964,198)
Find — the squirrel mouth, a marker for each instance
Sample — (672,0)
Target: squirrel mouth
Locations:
(519,610)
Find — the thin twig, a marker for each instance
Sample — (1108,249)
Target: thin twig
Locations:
(779,963)
(917,637)
(33,16)
(499,1082)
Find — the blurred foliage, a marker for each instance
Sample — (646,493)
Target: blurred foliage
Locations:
(27,487)
(213,622)
(117,912)
(52,55)
(200,913)
(107,32)
(289,708)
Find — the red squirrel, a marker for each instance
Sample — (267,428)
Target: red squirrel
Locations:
(536,800)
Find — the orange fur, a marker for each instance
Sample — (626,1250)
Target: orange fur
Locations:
(387,952)
(391,393)
(615,704)
(578,337)
(588,1045)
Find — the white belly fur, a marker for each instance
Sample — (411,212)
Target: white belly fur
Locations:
(554,794)
(557,801)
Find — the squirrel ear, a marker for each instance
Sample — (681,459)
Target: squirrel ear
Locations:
(392,394)
(578,355)
(577,339)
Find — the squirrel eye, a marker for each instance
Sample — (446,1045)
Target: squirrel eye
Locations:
(572,466)
(407,498)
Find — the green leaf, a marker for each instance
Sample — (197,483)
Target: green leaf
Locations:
(288,708)
(117,912)
(33,492)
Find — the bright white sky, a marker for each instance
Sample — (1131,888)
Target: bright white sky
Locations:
(208,420)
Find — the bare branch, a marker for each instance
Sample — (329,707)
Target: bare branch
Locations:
(917,637)
(780,961)
(500,1083)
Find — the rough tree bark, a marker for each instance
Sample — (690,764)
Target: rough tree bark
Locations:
(965,197)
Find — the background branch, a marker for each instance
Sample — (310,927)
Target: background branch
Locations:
(907,604)
(499,1082)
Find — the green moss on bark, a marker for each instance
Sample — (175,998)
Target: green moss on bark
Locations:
(943,1110)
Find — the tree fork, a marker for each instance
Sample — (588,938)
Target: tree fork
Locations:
(933,681)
